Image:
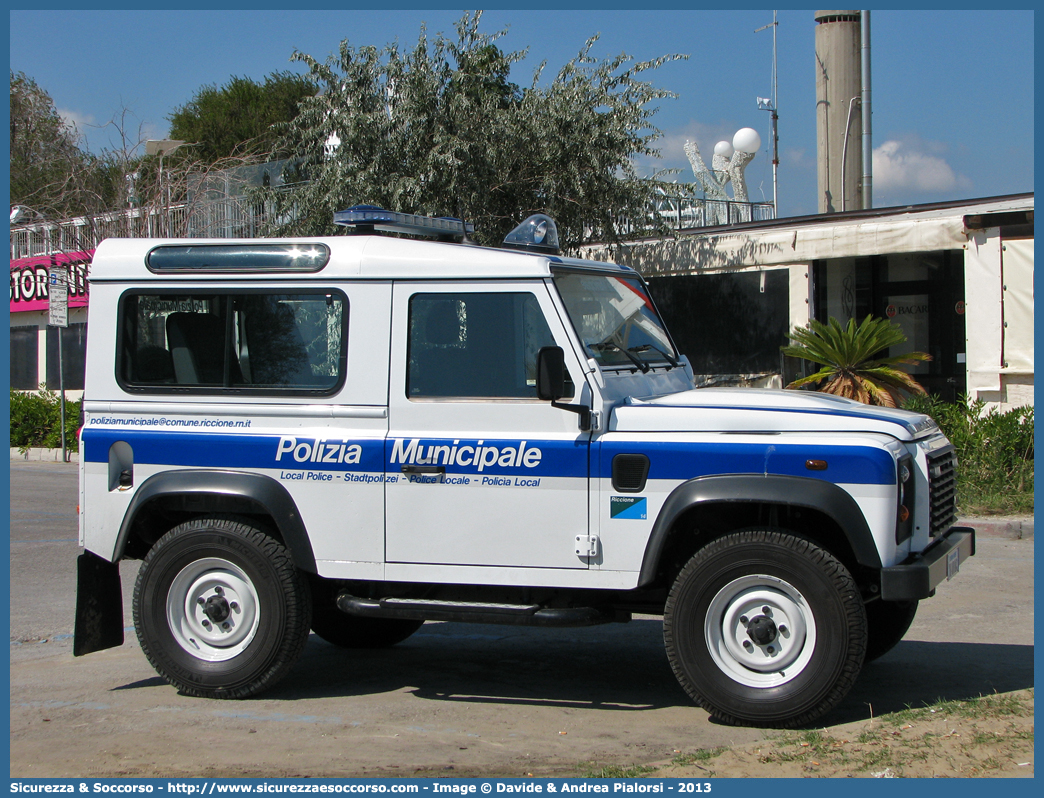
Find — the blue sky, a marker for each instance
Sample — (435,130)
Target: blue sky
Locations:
(953,96)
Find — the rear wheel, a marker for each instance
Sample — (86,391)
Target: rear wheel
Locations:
(219,608)
(763,627)
(887,622)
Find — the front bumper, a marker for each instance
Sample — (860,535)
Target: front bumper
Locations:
(917,576)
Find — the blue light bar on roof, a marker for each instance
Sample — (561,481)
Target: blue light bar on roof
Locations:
(369,217)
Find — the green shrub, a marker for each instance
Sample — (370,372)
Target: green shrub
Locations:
(36,420)
(994,453)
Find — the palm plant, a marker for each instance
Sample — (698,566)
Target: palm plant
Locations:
(848,357)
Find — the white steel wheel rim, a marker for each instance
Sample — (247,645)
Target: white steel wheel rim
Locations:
(765,662)
(212,637)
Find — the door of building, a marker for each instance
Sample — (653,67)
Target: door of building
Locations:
(921,292)
(924,294)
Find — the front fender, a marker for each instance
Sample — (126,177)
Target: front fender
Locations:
(262,491)
(816,494)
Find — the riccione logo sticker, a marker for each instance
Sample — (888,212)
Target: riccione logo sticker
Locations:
(627,507)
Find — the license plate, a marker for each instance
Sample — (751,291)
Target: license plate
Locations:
(953,564)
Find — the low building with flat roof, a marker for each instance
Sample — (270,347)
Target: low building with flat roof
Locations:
(957,277)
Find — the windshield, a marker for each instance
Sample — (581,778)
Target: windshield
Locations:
(615,319)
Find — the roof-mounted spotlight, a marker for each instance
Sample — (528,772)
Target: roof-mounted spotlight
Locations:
(538,233)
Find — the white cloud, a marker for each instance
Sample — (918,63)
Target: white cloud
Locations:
(898,166)
(798,158)
(76,120)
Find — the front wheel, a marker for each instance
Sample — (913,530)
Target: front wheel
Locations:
(887,622)
(763,627)
(219,608)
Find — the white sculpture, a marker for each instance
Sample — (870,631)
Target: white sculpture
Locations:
(729,161)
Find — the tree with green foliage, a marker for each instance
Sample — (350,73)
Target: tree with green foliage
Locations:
(57,180)
(50,174)
(849,360)
(995,450)
(237,118)
(441,130)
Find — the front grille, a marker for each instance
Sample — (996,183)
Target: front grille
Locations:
(942,490)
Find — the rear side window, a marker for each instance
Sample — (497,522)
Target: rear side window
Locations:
(246,342)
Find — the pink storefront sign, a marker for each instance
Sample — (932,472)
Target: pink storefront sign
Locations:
(29,280)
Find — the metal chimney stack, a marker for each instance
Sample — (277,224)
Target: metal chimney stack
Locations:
(839,117)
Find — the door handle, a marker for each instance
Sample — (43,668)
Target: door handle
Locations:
(423,469)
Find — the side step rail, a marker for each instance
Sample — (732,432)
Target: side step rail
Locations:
(477,612)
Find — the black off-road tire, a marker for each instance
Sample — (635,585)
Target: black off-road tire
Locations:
(219,608)
(352,631)
(784,667)
(887,622)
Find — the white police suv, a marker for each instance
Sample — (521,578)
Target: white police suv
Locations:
(353,435)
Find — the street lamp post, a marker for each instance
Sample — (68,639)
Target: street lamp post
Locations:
(163,147)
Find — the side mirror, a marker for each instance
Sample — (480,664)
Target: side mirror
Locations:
(551,373)
(552,384)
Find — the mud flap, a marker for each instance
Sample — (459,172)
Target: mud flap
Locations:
(99,605)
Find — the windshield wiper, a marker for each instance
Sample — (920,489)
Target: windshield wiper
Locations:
(669,358)
(638,362)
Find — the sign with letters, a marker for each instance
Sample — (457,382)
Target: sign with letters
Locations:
(30,280)
(57,297)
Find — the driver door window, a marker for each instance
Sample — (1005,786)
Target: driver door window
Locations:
(474,345)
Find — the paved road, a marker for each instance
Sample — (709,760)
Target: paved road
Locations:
(454,699)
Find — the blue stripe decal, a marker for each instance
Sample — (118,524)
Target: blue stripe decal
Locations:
(681,461)
(538,458)
(218,450)
(494,457)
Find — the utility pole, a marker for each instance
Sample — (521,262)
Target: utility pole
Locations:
(58,317)
(868,147)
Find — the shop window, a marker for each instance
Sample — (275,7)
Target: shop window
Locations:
(727,323)
(73,358)
(25,356)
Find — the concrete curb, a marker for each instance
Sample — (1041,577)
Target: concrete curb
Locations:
(1001,526)
(52,455)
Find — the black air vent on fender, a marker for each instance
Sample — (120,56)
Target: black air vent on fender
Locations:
(630,472)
